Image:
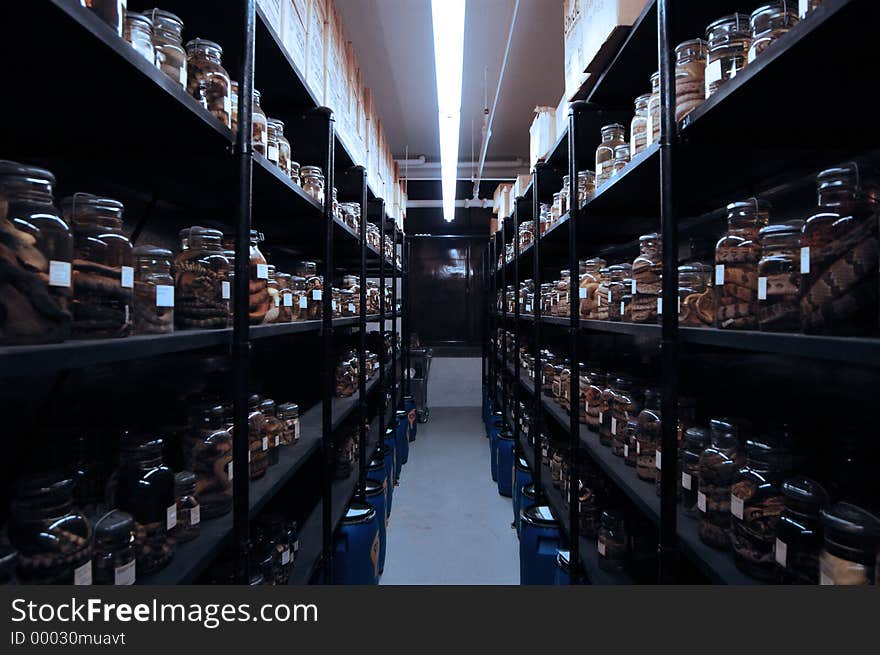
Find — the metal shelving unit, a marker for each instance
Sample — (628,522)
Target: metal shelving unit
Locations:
(696,168)
(196,162)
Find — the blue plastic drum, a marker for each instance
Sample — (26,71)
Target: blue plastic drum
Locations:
(522,478)
(538,543)
(562,567)
(506,443)
(402,437)
(356,546)
(409,404)
(376,497)
(494,429)
(391,472)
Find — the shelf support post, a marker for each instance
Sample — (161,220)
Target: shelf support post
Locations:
(537,407)
(361,174)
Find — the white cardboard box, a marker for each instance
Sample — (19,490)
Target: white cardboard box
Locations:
(561,117)
(542,133)
(272,9)
(294,35)
(317,51)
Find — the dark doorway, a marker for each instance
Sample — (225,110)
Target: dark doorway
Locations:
(446,291)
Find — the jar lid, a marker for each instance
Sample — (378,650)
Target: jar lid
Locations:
(805,493)
(51,485)
(540,516)
(781,229)
(612,126)
(199,43)
(277,122)
(632,424)
(588,174)
(132,442)
(91,200)
(30,173)
(312,170)
(649,237)
(697,436)
(114,524)
(655,78)
(640,100)
(164,15)
(691,45)
(287,408)
(198,230)
(147,250)
(724,425)
(730,26)
(611,518)
(623,149)
(373,488)
(850,522)
(376,463)
(529,491)
(359,512)
(143,21)
(776,10)
(522,464)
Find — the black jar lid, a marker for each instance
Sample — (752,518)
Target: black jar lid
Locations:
(611,519)
(724,425)
(539,516)
(184,483)
(780,229)
(358,512)
(373,488)
(376,464)
(268,407)
(850,524)
(48,485)
(288,408)
(563,559)
(132,442)
(805,495)
(695,436)
(91,200)
(400,413)
(115,525)
(390,433)
(254,401)
(30,173)
(148,250)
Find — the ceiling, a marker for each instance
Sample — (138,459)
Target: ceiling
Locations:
(394,46)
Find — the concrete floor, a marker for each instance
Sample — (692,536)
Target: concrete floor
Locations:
(448,524)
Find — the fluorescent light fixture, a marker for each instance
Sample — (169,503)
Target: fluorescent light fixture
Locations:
(447,17)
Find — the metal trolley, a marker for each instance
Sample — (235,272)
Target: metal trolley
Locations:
(420,363)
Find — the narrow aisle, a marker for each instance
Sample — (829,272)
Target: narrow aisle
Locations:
(448,524)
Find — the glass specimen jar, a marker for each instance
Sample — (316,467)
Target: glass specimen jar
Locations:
(260,130)
(647,270)
(839,257)
(153,298)
(206,79)
(288,414)
(113,556)
(111,12)
(631,443)
(200,270)
(756,504)
(52,537)
(259,300)
(625,405)
(653,132)
(638,127)
(300,306)
(168,44)
(144,487)
(285,298)
(851,539)
(565,194)
(621,159)
(590,278)
(779,278)
(611,541)
(695,442)
(593,398)
(799,532)
(602,294)
(188,508)
(586,185)
(312,180)
(690,76)
(274,292)
(283,147)
(736,265)
(605,417)
(276,538)
(807,7)
(696,295)
(719,464)
(273,428)
(138,32)
(211,461)
(768,23)
(649,437)
(103,273)
(233,106)
(314,288)
(258,444)
(563,294)
(729,39)
(616,290)
(294,171)
(37,285)
(612,136)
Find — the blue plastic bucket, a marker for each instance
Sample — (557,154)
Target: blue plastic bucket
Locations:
(356,546)
(376,496)
(494,429)
(522,478)
(402,437)
(506,443)
(538,543)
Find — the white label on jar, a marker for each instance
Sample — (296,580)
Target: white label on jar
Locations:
(657,457)
(272,153)
(227,106)
(713,72)
(59,274)
(296,429)
(351,307)
(609,297)
(164,295)
(230,470)
(582,293)
(701,501)
(127,280)
(195,515)
(262,271)
(633,289)
(124,575)
(736,506)
(613,425)
(600,546)
(686,481)
(296,547)
(803,8)
(528,309)
(226,289)
(277,441)
(825,579)
(762,288)
(587,406)
(598,300)
(303,302)
(265,443)
(82,575)
(601,415)
(285,557)
(638,447)
(659,305)
(679,304)
(626,450)
(288,300)
(249,456)
(622,309)
(277,300)
(316,294)
(333,305)
(805,260)
(171,516)
(719,274)
(781,551)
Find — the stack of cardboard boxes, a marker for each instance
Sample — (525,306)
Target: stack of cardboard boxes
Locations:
(312,33)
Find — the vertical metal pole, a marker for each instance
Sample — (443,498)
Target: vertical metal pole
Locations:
(240,326)
(503,368)
(669,295)
(516,314)
(538,408)
(361,174)
(394,351)
(383,223)
(407,314)
(493,309)
(329,365)
(574,222)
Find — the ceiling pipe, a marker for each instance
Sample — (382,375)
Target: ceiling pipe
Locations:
(418,161)
(421,162)
(487,125)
